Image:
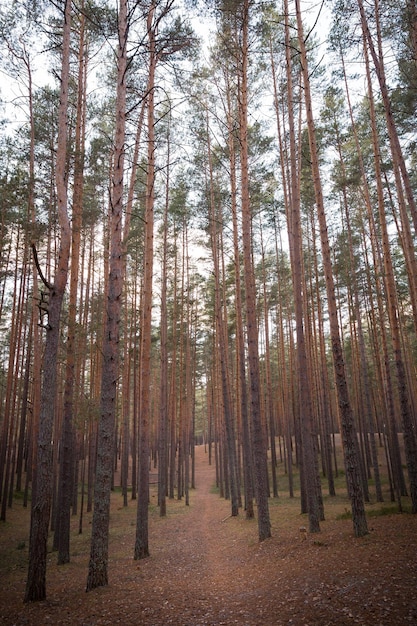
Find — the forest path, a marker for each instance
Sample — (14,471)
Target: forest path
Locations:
(207,555)
(207,568)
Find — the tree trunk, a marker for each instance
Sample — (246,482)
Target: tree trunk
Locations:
(97,570)
(258,435)
(240,342)
(303,371)
(42,488)
(349,438)
(141,543)
(163,397)
(66,466)
(269,401)
(172,400)
(222,340)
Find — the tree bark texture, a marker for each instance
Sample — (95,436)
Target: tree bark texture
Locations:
(42,488)
(97,570)
(142,541)
(258,435)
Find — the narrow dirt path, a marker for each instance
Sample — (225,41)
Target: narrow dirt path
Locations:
(195,575)
(201,569)
(206,557)
(208,569)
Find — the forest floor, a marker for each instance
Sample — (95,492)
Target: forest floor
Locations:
(207,568)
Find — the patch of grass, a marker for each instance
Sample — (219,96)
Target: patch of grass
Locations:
(19,495)
(376,512)
(345,515)
(13,557)
(387,510)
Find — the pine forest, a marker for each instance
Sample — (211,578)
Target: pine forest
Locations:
(208,277)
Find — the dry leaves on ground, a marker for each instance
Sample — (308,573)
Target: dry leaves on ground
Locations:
(207,568)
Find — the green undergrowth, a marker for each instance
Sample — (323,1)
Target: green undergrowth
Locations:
(378,512)
(388,510)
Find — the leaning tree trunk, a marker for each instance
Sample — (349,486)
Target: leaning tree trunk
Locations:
(349,438)
(391,127)
(408,419)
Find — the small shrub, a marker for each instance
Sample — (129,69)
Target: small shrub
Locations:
(346,515)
